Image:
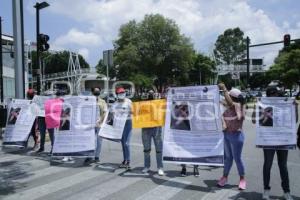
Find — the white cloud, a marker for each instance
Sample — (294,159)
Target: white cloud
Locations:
(84,52)
(77,37)
(201,20)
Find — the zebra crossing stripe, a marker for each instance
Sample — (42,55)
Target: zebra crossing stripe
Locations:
(54,186)
(165,191)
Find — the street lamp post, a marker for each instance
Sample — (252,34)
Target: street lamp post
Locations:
(38,7)
(1,64)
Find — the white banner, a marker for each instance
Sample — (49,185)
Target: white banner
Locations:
(19,122)
(276,123)
(193,128)
(114,123)
(76,134)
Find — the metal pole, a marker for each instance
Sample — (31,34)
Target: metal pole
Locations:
(107,76)
(1,64)
(18,48)
(38,74)
(248,61)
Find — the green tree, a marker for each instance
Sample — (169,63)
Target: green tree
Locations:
(230,46)
(153,48)
(203,69)
(286,68)
(56,62)
(101,69)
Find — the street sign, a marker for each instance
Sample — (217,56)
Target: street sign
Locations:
(235,75)
(108,57)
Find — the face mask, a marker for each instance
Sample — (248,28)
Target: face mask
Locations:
(97,93)
(122,96)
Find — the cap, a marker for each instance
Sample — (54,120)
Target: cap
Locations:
(235,92)
(120,90)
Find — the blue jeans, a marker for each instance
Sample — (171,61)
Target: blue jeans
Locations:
(42,129)
(147,135)
(98,143)
(233,146)
(126,139)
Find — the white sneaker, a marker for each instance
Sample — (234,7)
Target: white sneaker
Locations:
(145,170)
(287,196)
(65,159)
(266,195)
(161,172)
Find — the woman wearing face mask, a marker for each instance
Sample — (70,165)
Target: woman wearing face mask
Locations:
(234,116)
(122,105)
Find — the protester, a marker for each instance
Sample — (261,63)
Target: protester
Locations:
(282,156)
(298,134)
(34,130)
(53,108)
(147,135)
(100,113)
(234,116)
(183,170)
(123,105)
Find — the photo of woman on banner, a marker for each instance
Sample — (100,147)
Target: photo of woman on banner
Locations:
(13,115)
(266,116)
(65,119)
(180,117)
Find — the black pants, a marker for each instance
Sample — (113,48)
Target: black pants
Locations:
(42,128)
(282,156)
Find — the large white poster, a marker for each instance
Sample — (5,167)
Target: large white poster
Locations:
(114,123)
(19,122)
(76,133)
(193,128)
(276,123)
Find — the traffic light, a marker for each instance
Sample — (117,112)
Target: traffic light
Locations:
(43,42)
(286,40)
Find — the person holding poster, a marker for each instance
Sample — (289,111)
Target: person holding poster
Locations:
(34,133)
(234,116)
(269,151)
(53,109)
(123,105)
(101,112)
(147,135)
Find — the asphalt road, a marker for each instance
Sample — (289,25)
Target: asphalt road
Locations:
(25,175)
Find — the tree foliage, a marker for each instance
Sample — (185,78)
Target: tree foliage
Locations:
(153,49)
(286,67)
(230,46)
(56,62)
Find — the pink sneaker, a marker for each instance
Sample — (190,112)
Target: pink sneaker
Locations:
(223,181)
(242,184)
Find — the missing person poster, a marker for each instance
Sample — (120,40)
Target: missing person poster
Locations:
(38,103)
(114,121)
(19,123)
(76,133)
(276,123)
(193,128)
(147,114)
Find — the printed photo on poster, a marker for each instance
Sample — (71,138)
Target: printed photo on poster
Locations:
(180,116)
(13,115)
(110,119)
(65,119)
(266,116)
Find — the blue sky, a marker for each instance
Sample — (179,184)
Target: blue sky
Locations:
(90,26)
